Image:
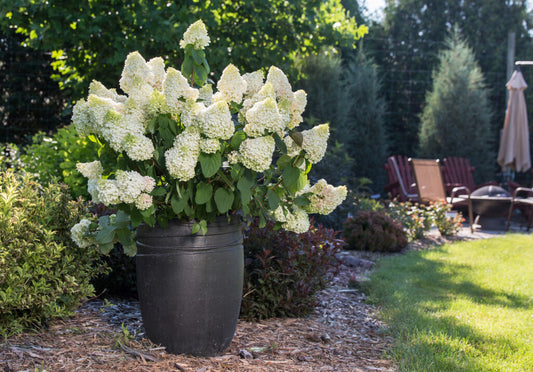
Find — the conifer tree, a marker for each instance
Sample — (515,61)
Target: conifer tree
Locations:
(346,94)
(456,117)
(364,133)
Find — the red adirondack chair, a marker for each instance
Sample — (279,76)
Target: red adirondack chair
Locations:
(458,172)
(401,182)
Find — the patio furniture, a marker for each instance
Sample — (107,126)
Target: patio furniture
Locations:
(525,204)
(457,171)
(430,186)
(401,183)
(490,205)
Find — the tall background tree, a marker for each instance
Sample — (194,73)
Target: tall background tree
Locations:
(456,117)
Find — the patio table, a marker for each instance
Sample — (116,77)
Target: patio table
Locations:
(491,205)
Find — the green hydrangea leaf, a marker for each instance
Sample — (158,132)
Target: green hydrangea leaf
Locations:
(223,199)
(210,164)
(204,192)
(273,200)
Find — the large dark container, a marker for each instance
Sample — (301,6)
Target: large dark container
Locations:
(190,286)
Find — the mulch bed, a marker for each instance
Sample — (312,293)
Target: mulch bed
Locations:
(343,334)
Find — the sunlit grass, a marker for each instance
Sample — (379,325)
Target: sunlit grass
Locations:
(465,306)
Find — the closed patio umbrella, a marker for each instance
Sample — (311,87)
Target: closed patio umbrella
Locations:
(514,143)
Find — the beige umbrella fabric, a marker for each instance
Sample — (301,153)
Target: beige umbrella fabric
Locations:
(514,143)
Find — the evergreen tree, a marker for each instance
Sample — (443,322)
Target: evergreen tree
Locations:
(327,102)
(457,115)
(346,94)
(364,133)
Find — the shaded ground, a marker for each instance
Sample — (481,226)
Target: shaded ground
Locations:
(344,334)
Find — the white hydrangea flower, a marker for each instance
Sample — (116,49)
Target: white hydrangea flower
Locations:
(175,88)
(216,122)
(107,192)
(81,119)
(231,84)
(181,164)
(264,116)
(233,157)
(135,115)
(157,104)
(136,72)
(130,184)
(115,129)
(325,198)
(266,91)
(206,94)
(190,112)
(256,153)
(315,142)
(188,140)
(196,35)
(98,108)
(292,148)
(92,170)
(143,201)
(297,108)
(98,89)
(92,189)
(80,234)
(149,184)
(182,158)
(297,221)
(138,147)
(281,84)
(209,145)
(141,94)
(254,81)
(279,214)
(157,66)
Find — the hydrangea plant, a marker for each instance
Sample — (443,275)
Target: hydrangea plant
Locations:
(173,147)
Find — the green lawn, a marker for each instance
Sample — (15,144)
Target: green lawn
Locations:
(466,306)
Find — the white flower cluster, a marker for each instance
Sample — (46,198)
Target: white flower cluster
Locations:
(256,153)
(92,170)
(80,234)
(325,198)
(231,85)
(128,187)
(216,122)
(196,35)
(182,158)
(295,220)
(315,142)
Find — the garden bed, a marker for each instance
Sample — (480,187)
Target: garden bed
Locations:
(343,334)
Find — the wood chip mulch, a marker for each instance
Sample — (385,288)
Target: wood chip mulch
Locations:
(344,334)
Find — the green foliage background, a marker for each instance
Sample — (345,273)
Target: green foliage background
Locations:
(90,39)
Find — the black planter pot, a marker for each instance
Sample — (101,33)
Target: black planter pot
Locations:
(190,286)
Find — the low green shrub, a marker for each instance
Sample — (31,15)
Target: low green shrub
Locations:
(284,270)
(374,231)
(43,274)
